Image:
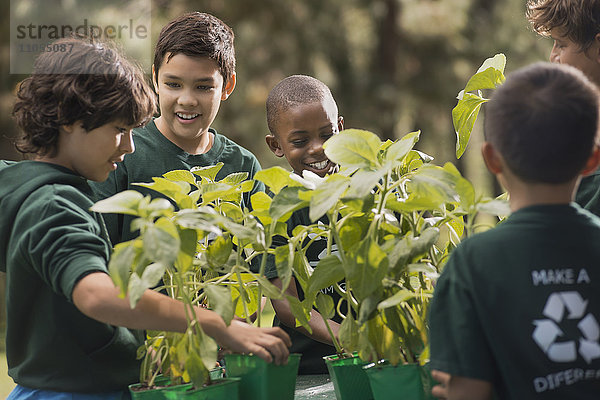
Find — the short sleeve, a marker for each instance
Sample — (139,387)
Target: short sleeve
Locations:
(457,339)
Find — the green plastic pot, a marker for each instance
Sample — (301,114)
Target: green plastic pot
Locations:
(159,393)
(224,388)
(163,385)
(401,382)
(261,380)
(350,381)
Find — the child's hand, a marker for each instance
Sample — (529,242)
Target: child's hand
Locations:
(270,344)
(441,390)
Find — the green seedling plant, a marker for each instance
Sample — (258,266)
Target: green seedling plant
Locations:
(198,251)
(394,217)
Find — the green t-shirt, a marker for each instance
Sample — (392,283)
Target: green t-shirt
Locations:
(155,155)
(312,351)
(49,240)
(519,306)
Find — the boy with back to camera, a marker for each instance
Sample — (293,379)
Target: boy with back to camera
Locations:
(515,312)
(193,72)
(66,333)
(574,25)
(302,115)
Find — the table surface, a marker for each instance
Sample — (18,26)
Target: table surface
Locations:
(314,387)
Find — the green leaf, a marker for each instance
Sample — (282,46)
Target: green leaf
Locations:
(369,269)
(261,202)
(326,196)
(205,219)
(167,187)
(286,202)
(235,178)
(399,297)
(219,298)
(120,265)
(268,288)
(329,271)
(275,178)
(363,181)
(300,313)
(181,175)
(126,202)
(353,148)
(400,148)
(161,242)
(368,307)
(351,233)
(325,306)
(196,369)
(497,62)
(187,252)
(497,207)
(464,116)
(152,274)
(135,289)
(490,78)
(219,250)
(207,173)
(348,334)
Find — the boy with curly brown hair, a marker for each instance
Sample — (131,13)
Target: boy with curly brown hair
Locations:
(69,333)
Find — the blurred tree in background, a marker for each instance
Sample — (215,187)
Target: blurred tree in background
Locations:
(394,66)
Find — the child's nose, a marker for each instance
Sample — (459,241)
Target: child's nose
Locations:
(126,145)
(187,98)
(316,147)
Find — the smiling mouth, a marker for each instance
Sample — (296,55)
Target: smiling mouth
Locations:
(319,165)
(186,116)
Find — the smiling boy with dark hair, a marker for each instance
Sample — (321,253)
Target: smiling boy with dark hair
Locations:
(193,72)
(302,115)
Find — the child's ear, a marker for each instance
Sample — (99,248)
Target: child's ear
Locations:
(593,162)
(71,127)
(492,158)
(596,49)
(340,123)
(273,144)
(154,79)
(229,86)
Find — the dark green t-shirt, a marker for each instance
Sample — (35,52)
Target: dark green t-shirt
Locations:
(50,240)
(519,306)
(312,351)
(155,155)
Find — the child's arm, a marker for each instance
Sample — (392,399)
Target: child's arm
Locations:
(284,313)
(96,296)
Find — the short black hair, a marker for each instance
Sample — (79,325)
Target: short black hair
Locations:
(294,90)
(544,121)
(197,34)
(92,83)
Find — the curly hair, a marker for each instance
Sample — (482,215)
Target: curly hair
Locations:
(91,83)
(580,19)
(197,34)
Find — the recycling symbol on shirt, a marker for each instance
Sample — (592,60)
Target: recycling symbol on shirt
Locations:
(567,305)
